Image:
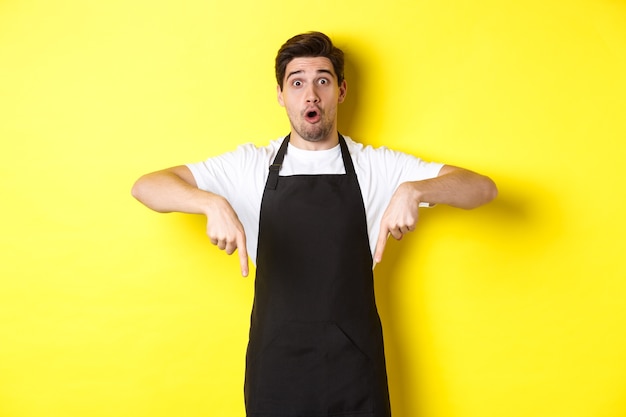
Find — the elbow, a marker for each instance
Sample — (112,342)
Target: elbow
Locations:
(137,190)
(142,192)
(489,191)
(484,190)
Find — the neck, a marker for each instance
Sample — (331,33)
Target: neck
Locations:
(328,142)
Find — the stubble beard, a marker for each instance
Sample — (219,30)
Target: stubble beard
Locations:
(313,132)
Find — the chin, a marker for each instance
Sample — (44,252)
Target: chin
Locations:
(316,135)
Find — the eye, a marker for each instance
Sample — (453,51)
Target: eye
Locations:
(323,81)
(297,83)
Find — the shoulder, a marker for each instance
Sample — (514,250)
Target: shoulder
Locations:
(245,154)
(246,160)
(389,162)
(251,150)
(380,154)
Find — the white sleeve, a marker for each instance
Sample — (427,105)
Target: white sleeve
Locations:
(224,173)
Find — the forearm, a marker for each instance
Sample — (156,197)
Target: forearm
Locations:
(172,190)
(456,187)
(175,189)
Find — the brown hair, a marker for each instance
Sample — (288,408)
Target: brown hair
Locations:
(310,44)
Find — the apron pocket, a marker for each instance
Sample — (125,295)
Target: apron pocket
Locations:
(350,374)
(312,369)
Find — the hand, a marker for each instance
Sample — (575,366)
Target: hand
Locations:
(399,218)
(226,231)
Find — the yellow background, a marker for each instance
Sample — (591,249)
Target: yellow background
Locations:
(512,310)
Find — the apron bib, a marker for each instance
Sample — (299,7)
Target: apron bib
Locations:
(316,346)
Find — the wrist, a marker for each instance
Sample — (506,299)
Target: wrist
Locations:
(210,202)
(418,194)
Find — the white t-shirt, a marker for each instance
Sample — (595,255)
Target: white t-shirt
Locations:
(240,176)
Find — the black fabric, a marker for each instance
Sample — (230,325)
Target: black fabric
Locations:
(316,347)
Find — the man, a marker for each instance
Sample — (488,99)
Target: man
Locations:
(314,210)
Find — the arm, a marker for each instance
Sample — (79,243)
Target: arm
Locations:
(175,189)
(454,186)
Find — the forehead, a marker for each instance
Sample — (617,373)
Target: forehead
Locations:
(309,66)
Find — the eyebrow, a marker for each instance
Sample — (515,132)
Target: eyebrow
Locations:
(319,71)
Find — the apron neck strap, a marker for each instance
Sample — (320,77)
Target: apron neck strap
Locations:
(274,169)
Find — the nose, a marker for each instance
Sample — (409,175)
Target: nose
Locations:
(311,94)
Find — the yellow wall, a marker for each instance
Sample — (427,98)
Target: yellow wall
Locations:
(512,310)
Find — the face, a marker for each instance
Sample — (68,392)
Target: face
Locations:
(310,94)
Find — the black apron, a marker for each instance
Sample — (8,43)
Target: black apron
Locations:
(316,346)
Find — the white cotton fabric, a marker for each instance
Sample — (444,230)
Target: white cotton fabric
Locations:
(240,176)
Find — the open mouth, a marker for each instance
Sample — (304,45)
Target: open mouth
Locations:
(312,116)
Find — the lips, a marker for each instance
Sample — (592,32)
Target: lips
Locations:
(312,115)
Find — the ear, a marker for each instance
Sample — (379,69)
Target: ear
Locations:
(343,90)
(279,93)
